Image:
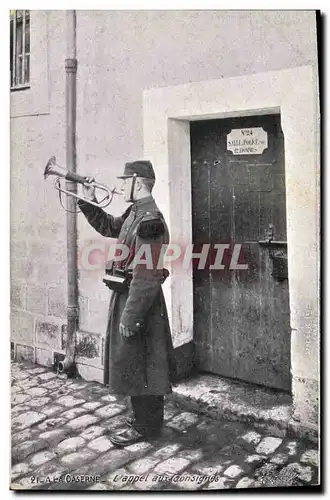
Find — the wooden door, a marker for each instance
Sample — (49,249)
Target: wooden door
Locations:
(241,317)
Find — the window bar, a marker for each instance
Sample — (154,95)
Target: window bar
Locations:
(23,47)
(14,49)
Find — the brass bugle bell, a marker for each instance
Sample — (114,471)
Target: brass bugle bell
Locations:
(52,168)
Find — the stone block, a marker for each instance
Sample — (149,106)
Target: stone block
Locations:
(36,300)
(50,272)
(19,470)
(167,451)
(44,377)
(92,432)
(16,410)
(245,482)
(36,391)
(279,459)
(24,352)
(98,307)
(291,448)
(74,413)
(78,458)
(183,421)
(47,334)
(36,371)
(100,444)
(20,437)
(88,346)
(268,445)
(41,457)
(191,454)
(252,437)
(143,465)
(53,384)
(292,474)
(109,398)
(110,410)
(18,295)
(69,401)
(305,401)
(20,398)
(310,457)
(82,422)
(18,249)
(22,327)
(138,448)
(23,450)
(52,410)
(267,475)
(208,467)
(93,323)
(53,437)
(57,302)
(107,462)
(52,423)
(38,403)
(91,406)
(90,373)
(44,357)
(173,465)
(22,269)
(27,419)
(70,445)
(233,471)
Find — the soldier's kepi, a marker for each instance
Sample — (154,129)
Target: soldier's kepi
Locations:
(136,169)
(138,359)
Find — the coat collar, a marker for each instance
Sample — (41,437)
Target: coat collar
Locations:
(144,204)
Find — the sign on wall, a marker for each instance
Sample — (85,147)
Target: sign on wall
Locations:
(247,141)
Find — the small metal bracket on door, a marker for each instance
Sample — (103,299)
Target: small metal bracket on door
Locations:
(277,251)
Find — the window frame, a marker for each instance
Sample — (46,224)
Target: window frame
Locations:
(35,99)
(22,16)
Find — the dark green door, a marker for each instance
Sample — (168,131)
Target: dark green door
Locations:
(241,316)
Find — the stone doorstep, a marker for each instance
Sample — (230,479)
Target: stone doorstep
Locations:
(224,399)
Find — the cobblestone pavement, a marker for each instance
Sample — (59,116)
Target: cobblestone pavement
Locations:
(60,441)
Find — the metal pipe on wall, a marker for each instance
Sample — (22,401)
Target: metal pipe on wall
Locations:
(68,364)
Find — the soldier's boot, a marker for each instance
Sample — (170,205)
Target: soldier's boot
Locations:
(127,437)
(130,421)
(131,435)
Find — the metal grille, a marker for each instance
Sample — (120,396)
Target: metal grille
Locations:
(19,49)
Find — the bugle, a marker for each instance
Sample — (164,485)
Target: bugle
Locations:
(52,168)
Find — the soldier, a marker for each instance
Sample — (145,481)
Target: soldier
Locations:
(138,348)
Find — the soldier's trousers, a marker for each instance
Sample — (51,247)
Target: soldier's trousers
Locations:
(148,412)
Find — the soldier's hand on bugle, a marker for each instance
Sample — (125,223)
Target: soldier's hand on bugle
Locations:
(89,189)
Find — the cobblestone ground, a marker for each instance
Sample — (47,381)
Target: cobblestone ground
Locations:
(60,441)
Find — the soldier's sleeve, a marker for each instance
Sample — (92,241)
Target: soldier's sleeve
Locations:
(147,279)
(102,222)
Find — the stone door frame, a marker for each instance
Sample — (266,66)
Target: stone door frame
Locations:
(293,93)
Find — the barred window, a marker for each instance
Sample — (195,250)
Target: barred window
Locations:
(19,49)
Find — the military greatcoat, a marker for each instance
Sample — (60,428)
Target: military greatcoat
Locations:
(142,364)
